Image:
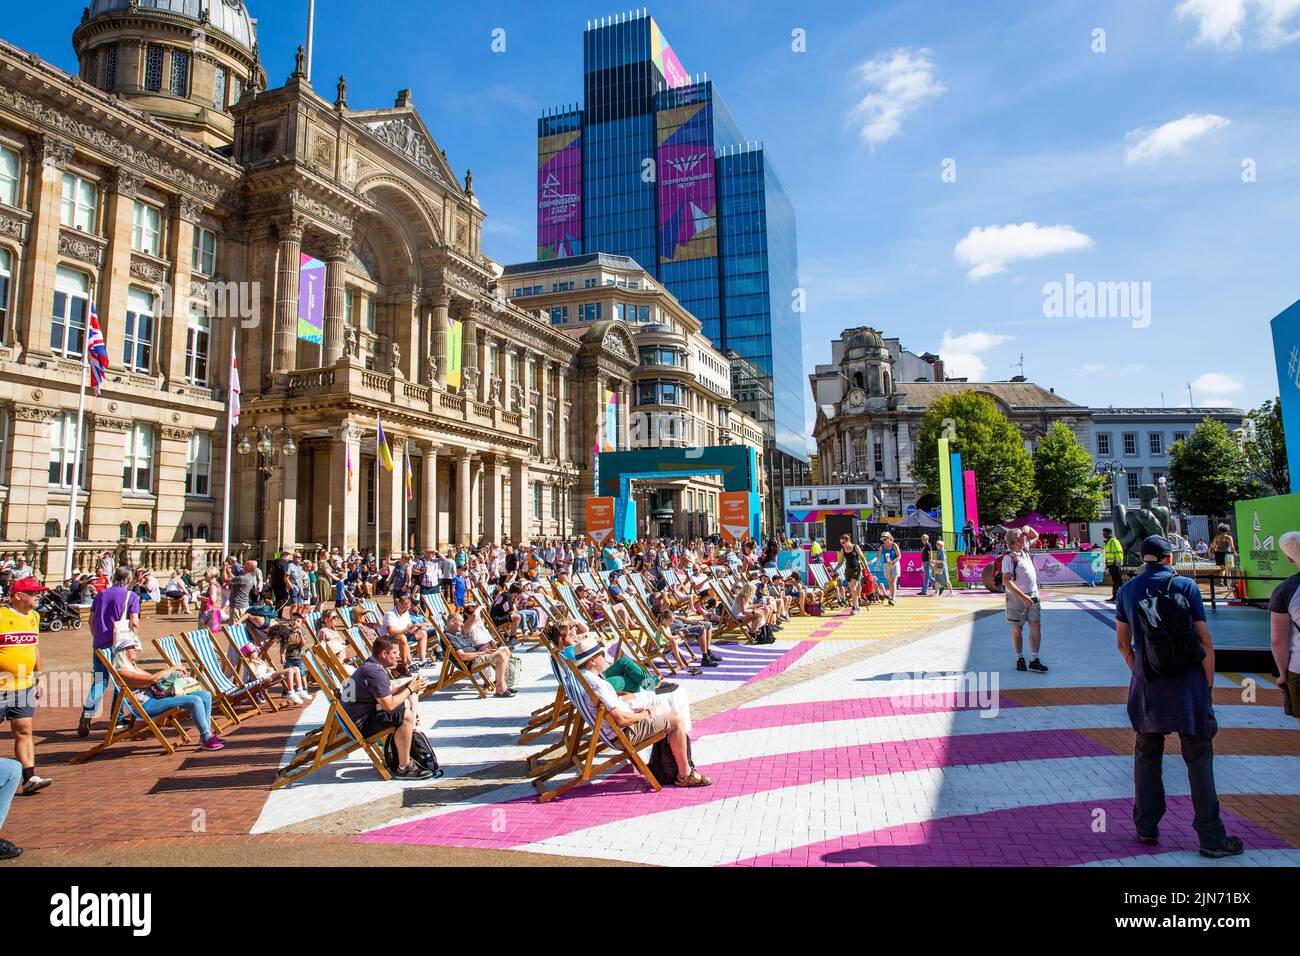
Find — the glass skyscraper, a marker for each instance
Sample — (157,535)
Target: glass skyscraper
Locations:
(653,166)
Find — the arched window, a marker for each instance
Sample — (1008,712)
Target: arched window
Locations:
(142,531)
(187,532)
(857,380)
(202,532)
(885,381)
(124,530)
(77,530)
(52,529)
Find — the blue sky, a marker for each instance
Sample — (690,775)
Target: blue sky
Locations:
(1116,166)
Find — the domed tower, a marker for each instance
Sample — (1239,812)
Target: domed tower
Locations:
(186,62)
(868,364)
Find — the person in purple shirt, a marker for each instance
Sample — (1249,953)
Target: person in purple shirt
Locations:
(105,611)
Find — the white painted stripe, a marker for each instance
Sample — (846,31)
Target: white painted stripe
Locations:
(741,827)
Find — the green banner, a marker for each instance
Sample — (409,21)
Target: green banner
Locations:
(455,339)
(1261,522)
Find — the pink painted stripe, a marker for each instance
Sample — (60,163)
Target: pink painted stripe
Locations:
(1059,834)
(822,711)
(624,796)
(782,663)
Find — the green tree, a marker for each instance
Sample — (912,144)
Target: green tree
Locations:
(1064,481)
(989,444)
(1265,448)
(1208,472)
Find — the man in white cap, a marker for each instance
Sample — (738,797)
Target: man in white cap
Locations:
(638,721)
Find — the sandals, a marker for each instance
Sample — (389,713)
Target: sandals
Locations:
(694,779)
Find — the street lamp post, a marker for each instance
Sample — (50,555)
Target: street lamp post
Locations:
(268,442)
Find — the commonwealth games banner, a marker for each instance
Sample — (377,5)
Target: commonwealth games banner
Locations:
(1053,567)
(311,300)
(600,519)
(688,203)
(559,195)
(1261,522)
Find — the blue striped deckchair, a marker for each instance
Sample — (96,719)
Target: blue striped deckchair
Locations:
(173,654)
(338,736)
(312,619)
(214,672)
(237,636)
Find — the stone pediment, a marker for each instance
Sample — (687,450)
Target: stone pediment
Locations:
(402,131)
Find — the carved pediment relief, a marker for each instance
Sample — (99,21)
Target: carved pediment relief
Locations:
(404,134)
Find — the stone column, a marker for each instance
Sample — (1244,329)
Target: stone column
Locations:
(173,454)
(335,273)
(520,505)
(429,497)
(104,475)
(441,303)
(492,498)
(345,502)
(287,269)
(49,155)
(469,350)
(110,293)
(282,499)
(464,505)
(28,478)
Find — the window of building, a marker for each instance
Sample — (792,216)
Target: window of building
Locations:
(879,457)
(555,501)
(63,447)
(1134,479)
(198,337)
(349,307)
(137,336)
(52,528)
(537,499)
(198,465)
(142,531)
(1156,476)
(180,77)
(71,300)
(219,88)
(203,257)
(146,229)
(110,69)
(6,285)
(124,530)
(1103,443)
(1179,436)
(10,168)
(559,315)
(80,198)
(370,315)
(203,532)
(153,68)
(236,89)
(187,532)
(1130,443)
(1156,442)
(137,462)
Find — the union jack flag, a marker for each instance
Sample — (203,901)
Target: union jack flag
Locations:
(96,350)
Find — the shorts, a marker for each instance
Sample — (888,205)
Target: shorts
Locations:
(382,720)
(1017,613)
(1293,686)
(645,729)
(17,704)
(1221,558)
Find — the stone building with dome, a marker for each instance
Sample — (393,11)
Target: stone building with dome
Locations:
(871,398)
(170,189)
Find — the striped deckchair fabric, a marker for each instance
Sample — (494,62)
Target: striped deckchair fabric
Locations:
(313,621)
(237,636)
(174,655)
(217,678)
(124,701)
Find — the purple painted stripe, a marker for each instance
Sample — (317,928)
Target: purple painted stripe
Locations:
(624,795)
(1060,834)
(784,663)
(823,711)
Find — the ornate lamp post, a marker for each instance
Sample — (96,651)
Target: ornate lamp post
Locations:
(268,442)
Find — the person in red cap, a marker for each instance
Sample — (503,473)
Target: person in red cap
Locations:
(21,680)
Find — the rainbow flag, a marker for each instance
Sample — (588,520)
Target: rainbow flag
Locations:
(409,492)
(382,451)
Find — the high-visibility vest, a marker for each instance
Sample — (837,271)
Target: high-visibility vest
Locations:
(1113,550)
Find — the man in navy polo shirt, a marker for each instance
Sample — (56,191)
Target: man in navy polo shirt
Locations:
(1170,703)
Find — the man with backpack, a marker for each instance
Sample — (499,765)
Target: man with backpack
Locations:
(1161,633)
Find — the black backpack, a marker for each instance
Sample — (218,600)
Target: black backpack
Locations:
(1169,642)
(421,753)
(663,764)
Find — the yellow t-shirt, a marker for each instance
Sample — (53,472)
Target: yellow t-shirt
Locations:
(18,636)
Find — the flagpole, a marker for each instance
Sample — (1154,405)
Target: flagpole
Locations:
(378,496)
(406,477)
(230,429)
(71,528)
(347,477)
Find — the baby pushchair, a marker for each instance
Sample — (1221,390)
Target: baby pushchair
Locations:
(56,613)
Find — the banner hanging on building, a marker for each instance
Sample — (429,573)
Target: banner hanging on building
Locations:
(455,344)
(600,519)
(559,190)
(311,300)
(734,514)
(610,428)
(688,202)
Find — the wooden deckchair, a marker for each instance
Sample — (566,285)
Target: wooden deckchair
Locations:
(338,736)
(174,654)
(124,700)
(214,673)
(236,636)
(601,733)
(456,668)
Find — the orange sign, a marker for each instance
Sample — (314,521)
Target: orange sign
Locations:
(600,519)
(734,515)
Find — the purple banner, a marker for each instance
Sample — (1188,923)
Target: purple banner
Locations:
(559,195)
(311,299)
(688,204)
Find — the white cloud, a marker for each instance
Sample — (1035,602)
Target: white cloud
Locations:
(988,250)
(961,353)
(1095,368)
(1223,22)
(1216,388)
(1146,145)
(898,82)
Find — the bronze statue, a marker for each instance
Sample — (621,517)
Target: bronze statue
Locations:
(1133,526)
